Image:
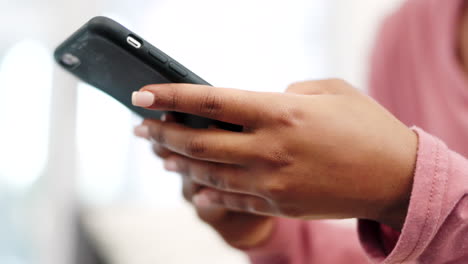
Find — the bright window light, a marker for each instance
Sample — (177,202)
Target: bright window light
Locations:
(25,91)
(103,135)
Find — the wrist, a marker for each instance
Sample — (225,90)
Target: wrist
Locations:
(395,215)
(395,208)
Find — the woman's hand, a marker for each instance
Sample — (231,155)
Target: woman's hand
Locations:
(332,153)
(240,230)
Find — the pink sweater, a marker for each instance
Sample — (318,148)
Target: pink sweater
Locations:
(417,76)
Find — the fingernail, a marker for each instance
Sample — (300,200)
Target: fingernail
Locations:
(170,165)
(201,200)
(141,131)
(142,99)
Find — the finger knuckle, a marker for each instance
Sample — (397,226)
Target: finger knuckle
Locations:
(215,180)
(277,157)
(159,134)
(211,104)
(195,147)
(289,116)
(197,176)
(168,97)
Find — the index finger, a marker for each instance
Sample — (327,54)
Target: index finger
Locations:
(228,105)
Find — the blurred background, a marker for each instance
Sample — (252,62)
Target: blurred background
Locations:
(75,185)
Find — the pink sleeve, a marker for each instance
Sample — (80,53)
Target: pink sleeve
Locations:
(300,242)
(436,227)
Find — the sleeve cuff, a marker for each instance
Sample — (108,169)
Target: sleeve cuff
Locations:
(425,208)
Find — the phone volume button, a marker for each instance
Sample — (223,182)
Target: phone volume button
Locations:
(178,69)
(158,56)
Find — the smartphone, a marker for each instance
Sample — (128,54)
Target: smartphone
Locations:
(111,58)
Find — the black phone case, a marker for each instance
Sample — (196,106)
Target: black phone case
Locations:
(108,62)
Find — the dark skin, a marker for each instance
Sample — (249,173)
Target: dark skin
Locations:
(321,151)
(243,227)
(240,230)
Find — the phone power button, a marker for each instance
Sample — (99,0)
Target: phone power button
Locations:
(158,56)
(178,69)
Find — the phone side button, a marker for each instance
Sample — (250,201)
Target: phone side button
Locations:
(178,69)
(158,56)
